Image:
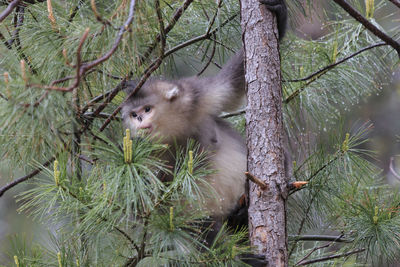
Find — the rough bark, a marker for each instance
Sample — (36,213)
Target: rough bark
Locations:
(267,208)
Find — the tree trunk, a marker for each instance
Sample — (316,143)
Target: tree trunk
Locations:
(267,208)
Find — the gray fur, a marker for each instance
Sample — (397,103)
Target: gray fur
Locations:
(189,108)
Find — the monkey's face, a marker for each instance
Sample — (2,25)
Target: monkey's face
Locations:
(140,119)
(157,111)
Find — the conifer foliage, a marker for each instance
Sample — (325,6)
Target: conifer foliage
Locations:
(64,65)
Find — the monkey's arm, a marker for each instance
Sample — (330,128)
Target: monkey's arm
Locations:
(279,8)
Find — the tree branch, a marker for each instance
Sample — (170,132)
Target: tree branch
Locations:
(257,181)
(338,239)
(325,70)
(82,68)
(367,24)
(233,114)
(24,178)
(395,2)
(178,13)
(9,9)
(332,257)
(210,58)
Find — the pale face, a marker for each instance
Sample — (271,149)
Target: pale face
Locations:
(140,120)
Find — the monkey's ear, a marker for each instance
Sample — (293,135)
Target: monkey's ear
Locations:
(171,93)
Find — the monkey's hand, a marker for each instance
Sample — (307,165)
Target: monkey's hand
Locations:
(278,7)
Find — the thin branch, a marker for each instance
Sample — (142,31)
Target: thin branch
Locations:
(178,13)
(20,14)
(233,114)
(391,167)
(97,14)
(210,58)
(395,2)
(100,115)
(257,181)
(333,257)
(108,75)
(367,24)
(312,176)
(75,11)
(123,29)
(199,38)
(337,239)
(9,9)
(161,26)
(303,220)
(3,96)
(214,17)
(128,237)
(312,251)
(5,42)
(83,68)
(24,178)
(325,69)
(99,98)
(296,185)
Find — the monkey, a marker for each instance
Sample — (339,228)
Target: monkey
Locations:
(189,108)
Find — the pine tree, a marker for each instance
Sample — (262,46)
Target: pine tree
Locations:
(64,65)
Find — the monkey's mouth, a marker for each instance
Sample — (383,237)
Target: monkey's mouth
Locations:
(145,130)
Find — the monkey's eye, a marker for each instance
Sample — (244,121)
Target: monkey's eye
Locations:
(147,109)
(133,114)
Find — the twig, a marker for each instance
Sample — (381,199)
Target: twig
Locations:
(312,176)
(75,11)
(395,174)
(97,15)
(395,2)
(123,29)
(303,220)
(211,23)
(210,58)
(161,26)
(325,70)
(178,13)
(100,115)
(83,68)
(99,98)
(4,40)
(233,114)
(20,13)
(311,252)
(100,216)
(255,180)
(199,38)
(333,257)
(78,71)
(367,24)
(9,9)
(337,239)
(128,237)
(3,96)
(108,75)
(296,185)
(24,178)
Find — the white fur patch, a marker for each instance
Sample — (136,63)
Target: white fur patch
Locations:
(172,93)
